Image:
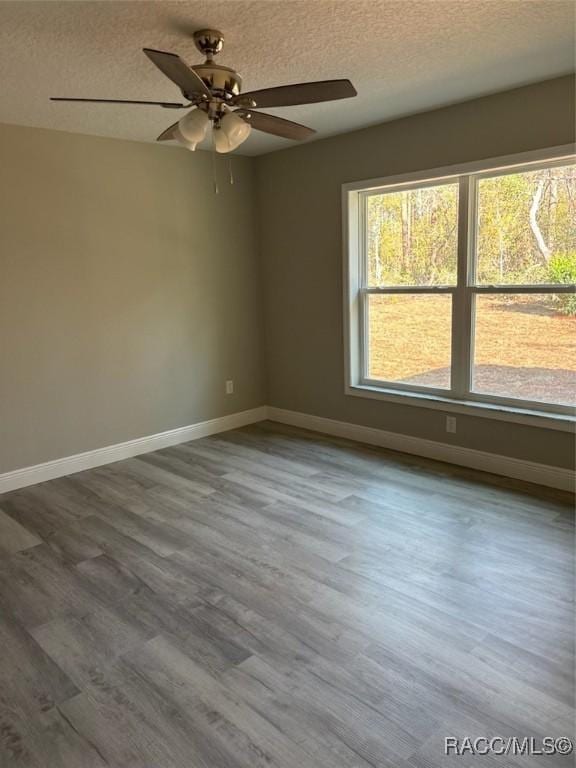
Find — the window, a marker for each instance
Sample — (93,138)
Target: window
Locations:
(462,286)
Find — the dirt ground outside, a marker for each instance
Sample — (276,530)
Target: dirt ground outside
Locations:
(524,347)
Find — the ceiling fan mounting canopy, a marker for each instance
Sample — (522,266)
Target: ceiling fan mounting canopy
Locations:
(215,91)
(209,42)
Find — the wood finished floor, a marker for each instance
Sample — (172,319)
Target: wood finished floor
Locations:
(271,598)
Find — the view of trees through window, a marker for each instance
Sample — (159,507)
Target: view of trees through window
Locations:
(527,226)
(412,236)
(524,345)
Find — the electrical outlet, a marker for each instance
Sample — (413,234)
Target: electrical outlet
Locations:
(451,424)
(230,388)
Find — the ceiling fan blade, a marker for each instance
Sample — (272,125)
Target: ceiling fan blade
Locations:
(180,73)
(168,134)
(299,93)
(165,104)
(275,125)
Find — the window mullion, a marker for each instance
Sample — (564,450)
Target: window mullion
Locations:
(532,288)
(363,329)
(410,289)
(362,298)
(462,300)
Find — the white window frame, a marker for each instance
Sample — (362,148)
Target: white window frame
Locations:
(460,398)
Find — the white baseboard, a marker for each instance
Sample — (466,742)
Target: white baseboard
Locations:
(531,472)
(68,465)
(542,474)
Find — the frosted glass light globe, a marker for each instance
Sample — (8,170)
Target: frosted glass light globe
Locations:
(235,129)
(191,145)
(193,126)
(221,143)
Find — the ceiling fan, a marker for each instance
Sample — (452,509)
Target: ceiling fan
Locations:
(214,92)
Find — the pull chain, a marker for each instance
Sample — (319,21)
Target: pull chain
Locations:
(214,177)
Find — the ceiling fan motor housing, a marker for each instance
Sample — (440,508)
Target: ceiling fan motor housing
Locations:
(221,80)
(225,81)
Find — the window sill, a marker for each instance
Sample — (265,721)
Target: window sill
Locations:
(546,420)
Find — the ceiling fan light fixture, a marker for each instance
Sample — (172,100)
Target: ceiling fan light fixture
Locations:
(191,145)
(214,90)
(235,129)
(193,126)
(176,134)
(221,142)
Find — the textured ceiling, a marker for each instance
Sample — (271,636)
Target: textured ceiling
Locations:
(403,56)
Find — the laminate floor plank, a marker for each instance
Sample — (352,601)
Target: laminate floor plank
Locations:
(36,586)
(236,524)
(369,734)
(133,725)
(31,681)
(49,527)
(160,574)
(109,579)
(290,612)
(225,442)
(44,741)
(14,537)
(252,737)
(276,598)
(85,646)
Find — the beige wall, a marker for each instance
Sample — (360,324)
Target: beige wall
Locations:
(301,251)
(128,292)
